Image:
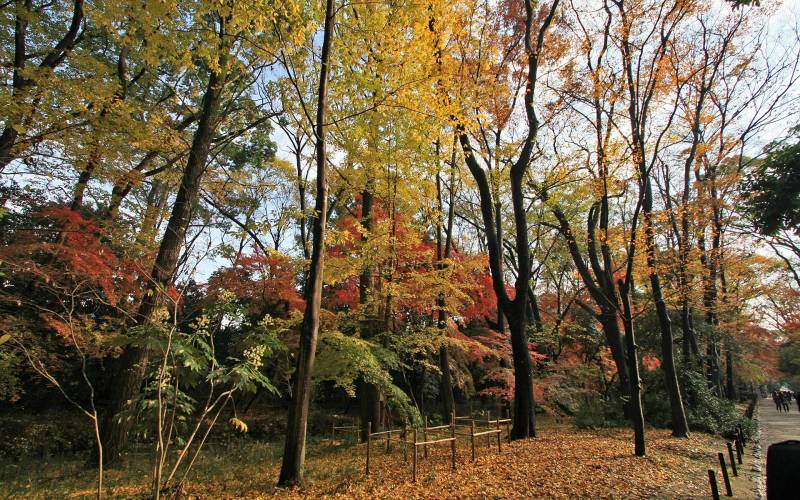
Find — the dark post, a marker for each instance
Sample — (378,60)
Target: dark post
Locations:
(472,438)
(405,443)
(333,432)
(425,436)
(738,451)
(414,459)
(712,480)
(488,423)
(369,442)
(453,435)
(730,457)
(725,478)
(388,437)
(499,438)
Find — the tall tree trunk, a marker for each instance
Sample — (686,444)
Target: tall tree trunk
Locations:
(635,403)
(498,214)
(680,426)
(131,366)
(294,452)
(443,249)
(369,395)
(638,119)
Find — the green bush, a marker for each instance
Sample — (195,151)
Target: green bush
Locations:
(594,413)
(709,413)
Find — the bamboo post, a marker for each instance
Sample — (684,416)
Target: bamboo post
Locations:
(369,442)
(453,435)
(388,437)
(733,462)
(725,478)
(414,460)
(425,436)
(508,429)
(333,432)
(712,480)
(738,451)
(498,436)
(472,437)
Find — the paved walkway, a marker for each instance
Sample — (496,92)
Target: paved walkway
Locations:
(777,425)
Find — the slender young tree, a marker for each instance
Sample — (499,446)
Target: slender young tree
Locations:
(294,452)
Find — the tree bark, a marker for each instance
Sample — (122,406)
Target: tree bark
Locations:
(635,403)
(637,118)
(443,249)
(131,366)
(369,395)
(294,452)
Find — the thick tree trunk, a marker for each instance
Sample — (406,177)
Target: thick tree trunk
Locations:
(498,214)
(131,366)
(524,405)
(608,320)
(294,452)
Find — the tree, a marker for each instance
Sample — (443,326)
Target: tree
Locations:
(516,309)
(772,191)
(294,452)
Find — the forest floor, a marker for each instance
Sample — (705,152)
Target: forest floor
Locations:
(562,462)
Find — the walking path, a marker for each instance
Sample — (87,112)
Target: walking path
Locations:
(776,426)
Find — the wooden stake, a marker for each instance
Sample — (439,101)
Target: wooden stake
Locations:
(738,451)
(712,480)
(488,420)
(730,457)
(405,443)
(425,436)
(725,478)
(414,461)
(388,437)
(453,435)
(498,436)
(369,442)
(472,438)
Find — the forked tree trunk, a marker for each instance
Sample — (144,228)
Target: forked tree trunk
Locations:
(294,452)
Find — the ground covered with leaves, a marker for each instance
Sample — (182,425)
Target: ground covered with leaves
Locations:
(561,462)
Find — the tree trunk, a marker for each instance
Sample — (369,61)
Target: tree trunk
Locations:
(524,405)
(680,426)
(294,452)
(730,385)
(131,366)
(634,407)
(369,395)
